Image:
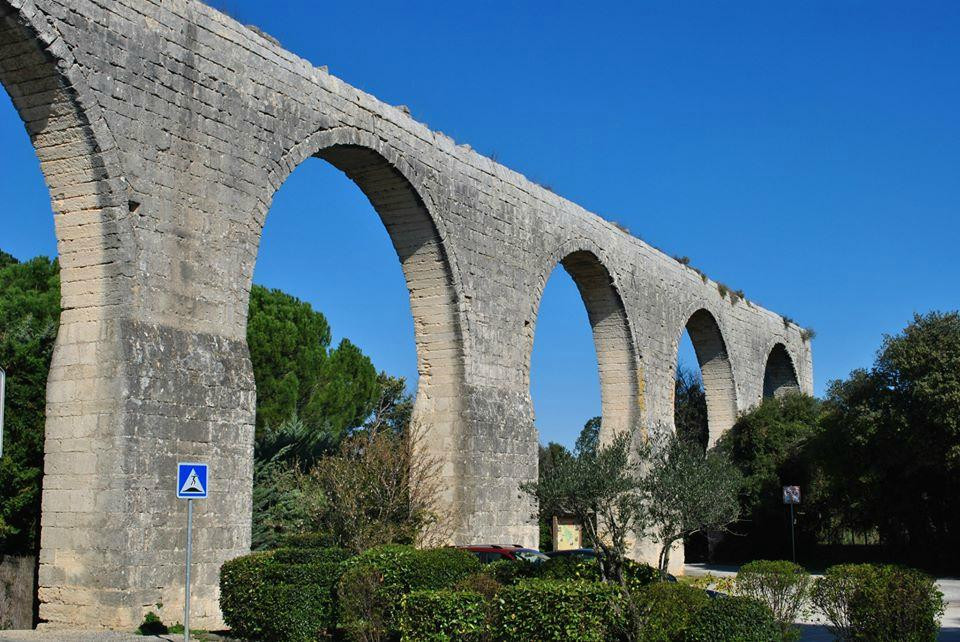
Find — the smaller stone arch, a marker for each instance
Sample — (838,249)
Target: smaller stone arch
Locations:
(715,366)
(617,359)
(779,374)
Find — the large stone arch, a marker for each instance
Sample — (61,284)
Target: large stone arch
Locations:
(779,373)
(715,366)
(618,361)
(386,179)
(83,536)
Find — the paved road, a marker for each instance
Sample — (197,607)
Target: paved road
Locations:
(815,632)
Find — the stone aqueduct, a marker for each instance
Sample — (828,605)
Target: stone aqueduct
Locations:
(163,130)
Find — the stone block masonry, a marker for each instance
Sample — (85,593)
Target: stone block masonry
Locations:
(164,129)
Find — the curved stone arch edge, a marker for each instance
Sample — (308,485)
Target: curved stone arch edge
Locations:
(87,107)
(687,315)
(550,262)
(326,138)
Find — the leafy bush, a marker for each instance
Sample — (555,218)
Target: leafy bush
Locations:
(311,555)
(508,572)
(883,603)
(480,583)
(666,609)
(637,574)
(365,606)
(309,540)
(549,610)
(569,568)
(443,615)
(283,594)
(733,619)
(374,582)
(781,585)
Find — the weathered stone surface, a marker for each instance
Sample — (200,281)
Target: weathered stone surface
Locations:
(163,130)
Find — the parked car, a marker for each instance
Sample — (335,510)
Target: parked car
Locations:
(487,553)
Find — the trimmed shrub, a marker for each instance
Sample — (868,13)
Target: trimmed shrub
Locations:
(781,585)
(509,572)
(638,575)
(365,607)
(882,603)
(832,595)
(569,568)
(443,615)
(666,609)
(263,597)
(374,582)
(309,540)
(480,583)
(733,619)
(311,555)
(548,610)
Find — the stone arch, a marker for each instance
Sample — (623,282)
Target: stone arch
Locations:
(779,374)
(718,380)
(617,358)
(76,150)
(81,548)
(384,177)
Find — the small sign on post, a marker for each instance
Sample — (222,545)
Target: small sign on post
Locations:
(791,497)
(191,484)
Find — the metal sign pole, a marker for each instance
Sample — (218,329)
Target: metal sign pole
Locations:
(793,545)
(186,599)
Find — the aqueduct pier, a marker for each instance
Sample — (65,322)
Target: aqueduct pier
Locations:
(163,130)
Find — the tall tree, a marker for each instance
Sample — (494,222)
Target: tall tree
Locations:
(690,407)
(29,320)
(892,441)
(770,445)
(297,373)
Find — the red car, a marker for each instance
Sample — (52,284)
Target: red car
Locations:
(487,553)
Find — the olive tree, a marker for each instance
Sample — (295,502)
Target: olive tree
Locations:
(686,491)
(600,487)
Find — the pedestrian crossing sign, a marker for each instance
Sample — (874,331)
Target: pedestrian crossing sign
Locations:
(192,481)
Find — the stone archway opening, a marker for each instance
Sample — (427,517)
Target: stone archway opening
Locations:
(716,374)
(583,370)
(423,342)
(615,356)
(779,375)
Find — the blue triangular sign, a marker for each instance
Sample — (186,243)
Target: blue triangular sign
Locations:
(192,485)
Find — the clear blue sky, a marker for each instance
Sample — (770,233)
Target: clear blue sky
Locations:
(808,153)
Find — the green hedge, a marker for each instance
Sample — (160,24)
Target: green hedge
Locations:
(308,540)
(733,619)
(548,610)
(509,572)
(281,595)
(443,615)
(374,583)
(882,603)
(637,574)
(666,610)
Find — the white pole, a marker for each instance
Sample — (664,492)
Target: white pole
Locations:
(186,600)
